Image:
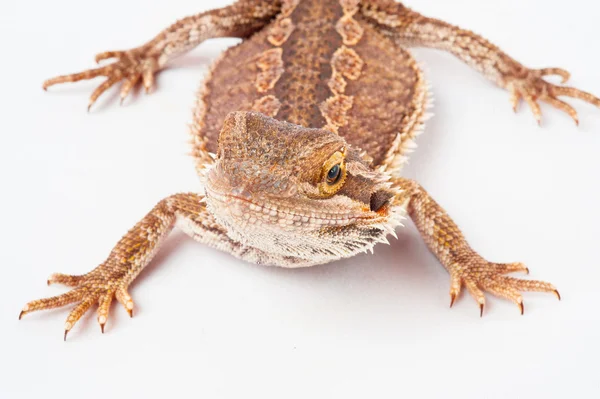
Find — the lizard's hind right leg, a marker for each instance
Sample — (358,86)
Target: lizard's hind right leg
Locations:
(240,20)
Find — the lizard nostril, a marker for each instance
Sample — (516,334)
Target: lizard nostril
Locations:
(379,199)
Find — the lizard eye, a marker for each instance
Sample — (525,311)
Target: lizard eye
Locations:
(333,174)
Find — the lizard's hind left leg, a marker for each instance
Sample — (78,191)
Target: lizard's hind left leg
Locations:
(141,64)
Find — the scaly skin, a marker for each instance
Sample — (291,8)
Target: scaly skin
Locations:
(299,135)
(409,28)
(238,20)
(466,267)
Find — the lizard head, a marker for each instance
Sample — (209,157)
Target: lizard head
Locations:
(298,192)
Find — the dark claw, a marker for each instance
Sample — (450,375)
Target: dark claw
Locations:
(130,311)
(452,299)
(102,328)
(21,314)
(527,270)
(522,307)
(66,332)
(481,310)
(557,294)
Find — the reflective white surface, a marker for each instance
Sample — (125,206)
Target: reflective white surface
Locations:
(207,325)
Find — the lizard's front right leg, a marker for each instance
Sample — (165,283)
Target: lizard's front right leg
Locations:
(131,254)
(240,20)
(466,267)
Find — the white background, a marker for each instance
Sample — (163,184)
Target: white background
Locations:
(208,325)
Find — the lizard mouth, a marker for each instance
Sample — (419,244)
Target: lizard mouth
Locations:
(307,213)
(298,226)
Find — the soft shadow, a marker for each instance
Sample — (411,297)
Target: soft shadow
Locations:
(190,61)
(171,244)
(404,266)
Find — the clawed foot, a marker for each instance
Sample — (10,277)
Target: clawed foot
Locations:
(129,67)
(530,86)
(99,286)
(479,275)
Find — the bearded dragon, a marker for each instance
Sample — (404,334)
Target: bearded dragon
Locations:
(299,136)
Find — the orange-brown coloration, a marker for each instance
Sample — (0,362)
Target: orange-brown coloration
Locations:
(334,109)
(295,194)
(271,69)
(238,20)
(337,83)
(466,267)
(281,31)
(350,30)
(347,62)
(408,28)
(350,6)
(389,98)
(230,85)
(288,6)
(268,105)
(306,55)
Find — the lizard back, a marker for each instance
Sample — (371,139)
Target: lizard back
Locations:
(319,64)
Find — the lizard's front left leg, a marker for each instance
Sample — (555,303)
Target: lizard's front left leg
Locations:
(409,28)
(466,267)
(131,254)
(238,20)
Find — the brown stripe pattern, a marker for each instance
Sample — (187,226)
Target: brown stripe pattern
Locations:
(345,64)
